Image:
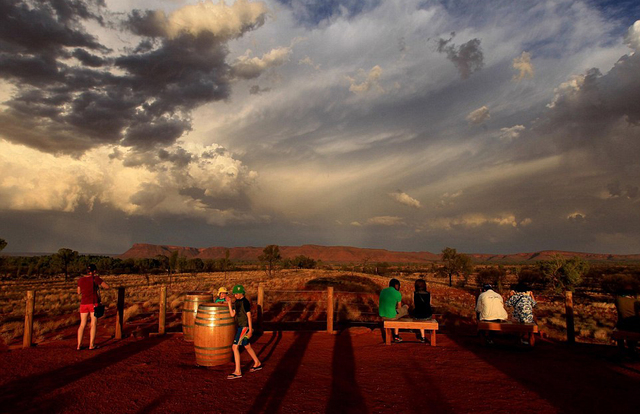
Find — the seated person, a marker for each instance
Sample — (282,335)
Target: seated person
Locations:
(390,305)
(523,302)
(628,307)
(222,295)
(422,304)
(490,305)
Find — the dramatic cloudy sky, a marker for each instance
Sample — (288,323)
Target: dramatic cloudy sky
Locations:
(488,126)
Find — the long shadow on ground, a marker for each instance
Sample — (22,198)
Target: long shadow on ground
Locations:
(17,395)
(275,389)
(346,395)
(579,378)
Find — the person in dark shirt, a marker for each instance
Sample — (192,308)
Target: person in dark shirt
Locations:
(88,289)
(422,304)
(241,310)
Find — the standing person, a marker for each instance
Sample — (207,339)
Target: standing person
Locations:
(523,303)
(390,305)
(422,304)
(222,295)
(88,289)
(242,312)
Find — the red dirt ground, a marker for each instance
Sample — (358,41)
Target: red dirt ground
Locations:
(320,373)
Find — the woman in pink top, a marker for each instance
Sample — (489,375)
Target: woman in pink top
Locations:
(88,288)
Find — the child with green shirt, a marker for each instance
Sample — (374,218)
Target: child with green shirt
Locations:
(241,310)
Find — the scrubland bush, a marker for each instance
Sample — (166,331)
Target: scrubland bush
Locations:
(616,282)
(495,276)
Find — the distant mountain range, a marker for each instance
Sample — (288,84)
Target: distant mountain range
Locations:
(345,254)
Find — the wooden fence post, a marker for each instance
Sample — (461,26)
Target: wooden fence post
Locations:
(120,313)
(568,300)
(163,310)
(330,309)
(28,318)
(260,306)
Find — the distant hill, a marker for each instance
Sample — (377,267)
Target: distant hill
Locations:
(345,254)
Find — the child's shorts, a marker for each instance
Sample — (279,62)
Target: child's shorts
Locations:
(241,336)
(88,308)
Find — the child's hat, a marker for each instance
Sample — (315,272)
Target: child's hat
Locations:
(238,289)
(222,290)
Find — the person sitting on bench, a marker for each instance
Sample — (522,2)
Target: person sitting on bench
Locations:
(490,308)
(421,304)
(628,307)
(523,302)
(390,305)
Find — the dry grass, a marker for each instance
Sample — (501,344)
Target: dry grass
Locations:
(355,294)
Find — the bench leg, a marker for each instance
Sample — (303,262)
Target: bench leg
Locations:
(532,339)
(387,336)
(433,338)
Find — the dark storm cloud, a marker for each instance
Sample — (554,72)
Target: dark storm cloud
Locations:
(257,90)
(467,57)
(313,12)
(69,109)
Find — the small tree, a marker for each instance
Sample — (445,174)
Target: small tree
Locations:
(66,256)
(269,258)
(3,244)
(563,274)
(495,276)
(455,263)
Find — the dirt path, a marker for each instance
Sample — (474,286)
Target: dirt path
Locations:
(319,373)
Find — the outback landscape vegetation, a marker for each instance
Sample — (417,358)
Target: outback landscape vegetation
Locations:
(311,151)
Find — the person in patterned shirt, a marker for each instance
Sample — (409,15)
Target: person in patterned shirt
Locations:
(523,302)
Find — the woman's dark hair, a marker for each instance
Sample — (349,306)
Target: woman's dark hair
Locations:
(394,282)
(420,285)
(522,287)
(92,268)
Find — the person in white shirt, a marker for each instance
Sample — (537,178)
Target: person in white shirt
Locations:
(490,306)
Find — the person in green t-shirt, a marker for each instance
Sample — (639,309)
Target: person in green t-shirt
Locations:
(390,306)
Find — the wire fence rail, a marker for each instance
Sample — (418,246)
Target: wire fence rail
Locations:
(317,303)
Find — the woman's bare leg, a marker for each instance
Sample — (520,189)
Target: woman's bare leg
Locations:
(83,323)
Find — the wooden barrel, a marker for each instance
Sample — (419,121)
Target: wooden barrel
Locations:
(213,335)
(191,302)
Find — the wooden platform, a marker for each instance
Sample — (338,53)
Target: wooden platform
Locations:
(430,325)
(510,327)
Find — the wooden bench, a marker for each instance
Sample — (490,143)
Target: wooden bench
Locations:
(510,327)
(620,336)
(430,325)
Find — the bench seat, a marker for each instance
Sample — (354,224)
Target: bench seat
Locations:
(430,325)
(619,335)
(510,327)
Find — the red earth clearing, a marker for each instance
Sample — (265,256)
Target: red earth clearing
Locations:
(320,373)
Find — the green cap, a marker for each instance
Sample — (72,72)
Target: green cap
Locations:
(238,289)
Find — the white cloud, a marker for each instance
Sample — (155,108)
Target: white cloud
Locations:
(247,67)
(309,62)
(524,67)
(385,221)
(475,220)
(632,39)
(173,182)
(479,115)
(218,18)
(406,199)
(509,134)
(371,81)
(577,216)
(567,89)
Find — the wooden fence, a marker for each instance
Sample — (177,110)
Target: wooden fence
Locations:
(162,313)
